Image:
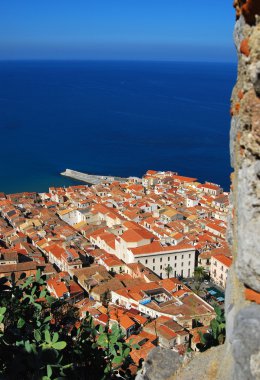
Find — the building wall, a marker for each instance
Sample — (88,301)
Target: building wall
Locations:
(73,217)
(218,272)
(182,263)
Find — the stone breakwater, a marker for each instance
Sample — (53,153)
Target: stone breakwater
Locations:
(90,179)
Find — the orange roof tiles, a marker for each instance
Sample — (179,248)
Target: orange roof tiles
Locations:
(56,250)
(180,178)
(142,352)
(151,172)
(135,235)
(112,261)
(57,287)
(216,227)
(156,247)
(170,283)
(103,318)
(210,186)
(139,318)
(169,334)
(227,261)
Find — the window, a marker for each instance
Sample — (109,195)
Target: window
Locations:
(175,257)
(175,265)
(189,256)
(160,266)
(189,262)
(153,267)
(168,258)
(182,256)
(153,260)
(182,264)
(160,259)
(146,261)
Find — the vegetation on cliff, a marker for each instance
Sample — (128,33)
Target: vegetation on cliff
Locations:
(217,332)
(42,337)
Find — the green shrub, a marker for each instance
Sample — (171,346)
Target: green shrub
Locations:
(217,331)
(41,338)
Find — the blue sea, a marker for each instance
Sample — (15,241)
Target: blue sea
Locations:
(118,118)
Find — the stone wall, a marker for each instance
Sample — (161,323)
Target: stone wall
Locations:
(243,290)
(239,357)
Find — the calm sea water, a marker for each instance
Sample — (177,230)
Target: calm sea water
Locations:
(118,118)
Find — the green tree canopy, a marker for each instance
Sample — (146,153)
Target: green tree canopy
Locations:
(168,269)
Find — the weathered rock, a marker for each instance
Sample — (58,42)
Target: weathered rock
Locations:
(245,153)
(246,343)
(160,364)
(254,72)
(240,32)
(234,302)
(255,365)
(235,127)
(242,318)
(206,366)
(248,207)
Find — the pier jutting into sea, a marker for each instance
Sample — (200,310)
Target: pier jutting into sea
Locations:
(91,179)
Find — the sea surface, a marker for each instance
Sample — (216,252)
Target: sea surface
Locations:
(114,118)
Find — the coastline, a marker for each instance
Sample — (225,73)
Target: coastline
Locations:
(144,120)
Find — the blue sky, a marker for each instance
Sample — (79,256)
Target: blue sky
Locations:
(117,29)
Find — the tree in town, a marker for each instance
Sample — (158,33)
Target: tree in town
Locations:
(199,275)
(168,269)
(217,332)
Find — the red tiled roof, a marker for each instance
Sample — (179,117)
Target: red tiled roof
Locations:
(227,261)
(137,234)
(58,287)
(156,247)
(184,179)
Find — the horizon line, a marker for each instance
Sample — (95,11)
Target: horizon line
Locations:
(112,60)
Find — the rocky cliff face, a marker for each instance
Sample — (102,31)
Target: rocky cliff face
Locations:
(239,358)
(243,290)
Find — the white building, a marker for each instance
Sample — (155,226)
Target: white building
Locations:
(140,246)
(219,269)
